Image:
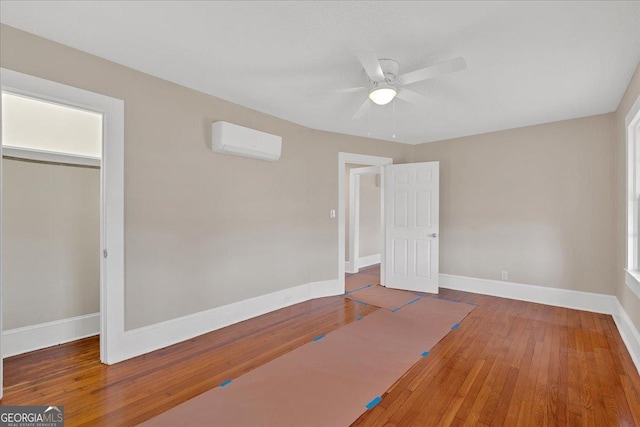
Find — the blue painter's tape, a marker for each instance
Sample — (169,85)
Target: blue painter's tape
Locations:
(374,402)
(358,318)
(318,338)
(456,326)
(396,309)
(471,303)
(358,301)
(359,289)
(225,383)
(424,354)
(414,300)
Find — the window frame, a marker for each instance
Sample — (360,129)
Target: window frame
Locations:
(632,263)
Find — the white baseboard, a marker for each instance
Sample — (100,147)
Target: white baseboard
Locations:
(363,262)
(327,288)
(30,338)
(154,337)
(349,267)
(368,261)
(629,333)
(577,300)
(160,335)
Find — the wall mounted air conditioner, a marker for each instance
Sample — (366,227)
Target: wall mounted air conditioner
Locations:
(229,138)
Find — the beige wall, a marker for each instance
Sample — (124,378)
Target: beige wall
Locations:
(535,201)
(204,229)
(370,227)
(50,242)
(627,298)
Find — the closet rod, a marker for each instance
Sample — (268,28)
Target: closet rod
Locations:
(45,162)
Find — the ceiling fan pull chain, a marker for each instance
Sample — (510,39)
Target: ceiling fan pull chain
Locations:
(394,119)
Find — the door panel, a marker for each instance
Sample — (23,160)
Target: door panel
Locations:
(423,204)
(412,226)
(400,177)
(425,176)
(401,209)
(423,258)
(400,256)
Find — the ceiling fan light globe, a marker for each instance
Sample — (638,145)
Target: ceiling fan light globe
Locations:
(383,95)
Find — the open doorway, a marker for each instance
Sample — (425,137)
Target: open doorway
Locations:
(363,225)
(111,318)
(410,194)
(377,272)
(51,228)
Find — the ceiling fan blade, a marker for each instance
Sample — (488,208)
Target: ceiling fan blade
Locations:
(371,65)
(411,96)
(363,109)
(350,90)
(432,71)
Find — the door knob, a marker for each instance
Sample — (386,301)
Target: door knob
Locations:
(433,235)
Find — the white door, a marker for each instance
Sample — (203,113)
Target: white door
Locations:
(1,299)
(412,226)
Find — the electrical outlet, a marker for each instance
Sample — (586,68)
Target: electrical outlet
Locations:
(505,275)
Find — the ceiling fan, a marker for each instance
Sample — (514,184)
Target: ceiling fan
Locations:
(385,82)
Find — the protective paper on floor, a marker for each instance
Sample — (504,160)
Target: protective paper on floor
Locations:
(329,381)
(379,296)
(358,281)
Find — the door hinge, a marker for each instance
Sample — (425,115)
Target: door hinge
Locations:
(104,253)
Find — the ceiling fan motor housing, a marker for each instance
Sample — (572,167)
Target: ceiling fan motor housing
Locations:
(390,70)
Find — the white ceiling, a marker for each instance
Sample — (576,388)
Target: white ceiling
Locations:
(528,62)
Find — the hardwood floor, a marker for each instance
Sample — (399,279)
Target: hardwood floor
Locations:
(509,363)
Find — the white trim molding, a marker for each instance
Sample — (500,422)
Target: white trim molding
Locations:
(49,156)
(349,267)
(577,300)
(367,261)
(353,267)
(632,135)
(629,333)
(30,338)
(326,288)
(154,337)
(632,280)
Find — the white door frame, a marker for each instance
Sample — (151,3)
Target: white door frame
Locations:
(111,193)
(359,159)
(353,266)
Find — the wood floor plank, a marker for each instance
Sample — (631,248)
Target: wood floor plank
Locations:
(449,415)
(509,363)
